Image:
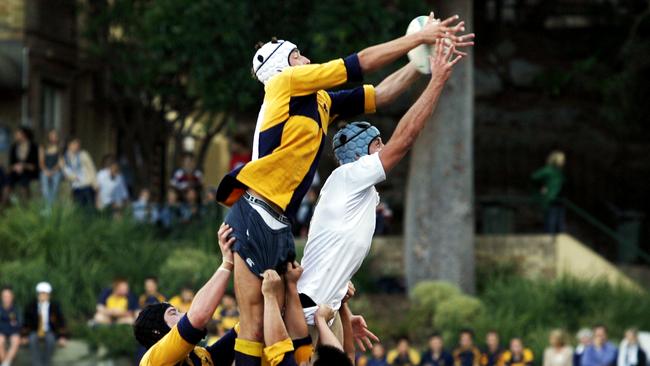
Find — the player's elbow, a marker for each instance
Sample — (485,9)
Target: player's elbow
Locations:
(367,61)
(199,320)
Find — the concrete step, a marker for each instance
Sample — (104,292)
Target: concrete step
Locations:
(76,353)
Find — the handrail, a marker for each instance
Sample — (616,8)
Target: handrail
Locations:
(583,214)
(604,228)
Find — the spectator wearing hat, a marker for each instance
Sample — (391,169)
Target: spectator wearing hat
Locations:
(44,326)
(10,322)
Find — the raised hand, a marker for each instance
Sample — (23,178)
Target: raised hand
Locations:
(434,30)
(294,271)
(362,335)
(272,285)
(225,243)
(442,61)
(350,294)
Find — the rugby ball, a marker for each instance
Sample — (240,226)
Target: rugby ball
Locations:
(419,56)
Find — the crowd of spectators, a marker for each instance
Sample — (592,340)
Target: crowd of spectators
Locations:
(593,349)
(41,324)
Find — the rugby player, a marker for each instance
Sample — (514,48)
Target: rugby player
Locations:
(289,139)
(341,230)
(171,336)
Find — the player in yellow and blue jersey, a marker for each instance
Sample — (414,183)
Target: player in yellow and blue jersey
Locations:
(171,336)
(289,139)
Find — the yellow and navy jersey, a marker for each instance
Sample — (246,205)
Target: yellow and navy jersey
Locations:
(283,353)
(508,359)
(226,318)
(178,347)
(291,131)
(113,301)
(148,299)
(467,356)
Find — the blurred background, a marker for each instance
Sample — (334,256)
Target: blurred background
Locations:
(118,119)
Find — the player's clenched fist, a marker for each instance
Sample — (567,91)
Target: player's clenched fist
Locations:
(225,243)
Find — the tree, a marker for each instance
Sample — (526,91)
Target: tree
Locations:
(439,220)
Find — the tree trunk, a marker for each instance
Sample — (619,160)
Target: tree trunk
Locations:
(439,220)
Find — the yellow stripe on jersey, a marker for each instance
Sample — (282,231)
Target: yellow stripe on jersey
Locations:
(274,354)
(292,125)
(168,351)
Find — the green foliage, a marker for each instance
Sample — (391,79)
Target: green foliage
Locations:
(80,253)
(117,340)
(458,312)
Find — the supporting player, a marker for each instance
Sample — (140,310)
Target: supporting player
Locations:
(289,138)
(343,223)
(171,336)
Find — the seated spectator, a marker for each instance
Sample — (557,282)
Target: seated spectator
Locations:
(151,294)
(116,305)
(403,354)
(44,325)
(183,301)
(584,337)
(601,352)
(191,208)
(492,352)
(10,324)
(112,194)
(227,314)
(143,210)
(517,355)
(23,162)
(631,353)
(79,169)
(559,353)
(436,355)
(466,354)
(170,214)
(187,176)
(377,357)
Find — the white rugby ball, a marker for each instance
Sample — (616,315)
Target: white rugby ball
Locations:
(419,56)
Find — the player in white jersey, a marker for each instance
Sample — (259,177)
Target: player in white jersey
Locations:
(341,230)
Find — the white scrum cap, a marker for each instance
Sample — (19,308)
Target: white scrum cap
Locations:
(271,59)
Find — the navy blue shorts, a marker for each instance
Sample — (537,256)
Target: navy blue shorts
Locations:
(8,330)
(257,244)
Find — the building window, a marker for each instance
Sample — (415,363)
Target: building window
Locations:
(51,107)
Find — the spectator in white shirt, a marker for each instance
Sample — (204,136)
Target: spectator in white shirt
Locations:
(630,353)
(79,169)
(112,191)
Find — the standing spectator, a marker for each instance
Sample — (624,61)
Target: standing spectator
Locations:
(403,354)
(23,163)
(466,354)
(559,353)
(50,159)
(112,193)
(378,356)
(170,213)
(240,153)
(79,168)
(151,294)
(44,325)
(601,352)
(436,354)
(584,340)
(517,355)
(116,305)
(631,353)
(10,324)
(551,179)
(493,351)
(183,301)
(143,210)
(187,176)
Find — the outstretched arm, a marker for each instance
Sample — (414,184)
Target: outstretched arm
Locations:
(395,84)
(325,335)
(410,126)
(375,57)
(209,296)
(294,317)
(348,334)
